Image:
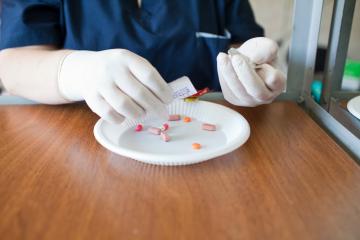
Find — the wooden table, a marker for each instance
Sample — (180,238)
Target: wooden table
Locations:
(289,181)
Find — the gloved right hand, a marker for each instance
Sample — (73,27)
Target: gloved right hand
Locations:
(116,84)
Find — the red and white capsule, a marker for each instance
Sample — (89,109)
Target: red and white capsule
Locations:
(154,130)
(165,137)
(208,127)
(174,117)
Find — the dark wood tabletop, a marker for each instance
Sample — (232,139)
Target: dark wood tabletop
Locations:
(289,181)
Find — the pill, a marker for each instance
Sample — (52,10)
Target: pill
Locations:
(196,146)
(208,127)
(174,117)
(154,130)
(138,128)
(165,127)
(190,99)
(187,119)
(165,137)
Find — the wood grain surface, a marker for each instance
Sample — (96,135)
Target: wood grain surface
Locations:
(289,181)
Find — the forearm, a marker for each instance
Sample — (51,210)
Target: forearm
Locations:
(31,72)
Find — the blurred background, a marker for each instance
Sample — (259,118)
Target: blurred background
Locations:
(276,18)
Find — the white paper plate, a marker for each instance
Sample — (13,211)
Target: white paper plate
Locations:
(232,131)
(354,106)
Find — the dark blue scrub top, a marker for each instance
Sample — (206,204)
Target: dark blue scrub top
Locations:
(179,37)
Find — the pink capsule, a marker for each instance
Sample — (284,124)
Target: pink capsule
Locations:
(208,127)
(139,128)
(165,127)
(174,117)
(154,130)
(165,137)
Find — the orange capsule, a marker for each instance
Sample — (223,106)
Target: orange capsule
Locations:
(196,146)
(187,119)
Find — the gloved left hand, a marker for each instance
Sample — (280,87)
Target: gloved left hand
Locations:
(250,78)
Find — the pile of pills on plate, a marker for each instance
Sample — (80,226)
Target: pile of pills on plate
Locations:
(175,117)
(156,131)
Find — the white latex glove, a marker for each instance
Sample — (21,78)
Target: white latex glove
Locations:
(116,84)
(250,78)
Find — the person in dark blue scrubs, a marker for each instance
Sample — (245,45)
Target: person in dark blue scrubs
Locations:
(135,42)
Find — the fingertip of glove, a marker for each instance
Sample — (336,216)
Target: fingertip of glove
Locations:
(222,58)
(260,49)
(167,97)
(238,60)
